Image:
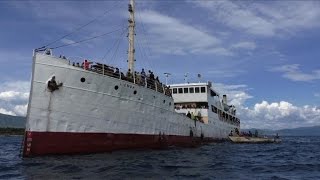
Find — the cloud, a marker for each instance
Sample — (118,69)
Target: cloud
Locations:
(293,72)
(278,115)
(14,97)
(67,41)
(264,18)
(3,111)
(244,45)
(21,110)
(265,115)
(236,94)
(225,72)
(316,94)
(172,36)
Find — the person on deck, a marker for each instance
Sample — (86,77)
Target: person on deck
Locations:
(143,77)
(189,115)
(129,76)
(152,82)
(231,133)
(151,76)
(143,74)
(117,73)
(86,64)
(192,116)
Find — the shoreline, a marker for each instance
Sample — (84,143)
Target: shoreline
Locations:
(12,131)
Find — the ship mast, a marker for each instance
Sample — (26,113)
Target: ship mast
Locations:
(131,50)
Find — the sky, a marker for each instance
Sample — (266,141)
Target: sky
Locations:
(263,54)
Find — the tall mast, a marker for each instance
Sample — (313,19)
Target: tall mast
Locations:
(131,50)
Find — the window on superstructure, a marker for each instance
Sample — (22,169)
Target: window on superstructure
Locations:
(203,89)
(191,90)
(185,90)
(197,89)
(180,90)
(174,90)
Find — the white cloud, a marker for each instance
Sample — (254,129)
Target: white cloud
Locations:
(236,94)
(278,115)
(264,18)
(14,97)
(3,111)
(265,115)
(172,36)
(293,72)
(67,41)
(225,72)
(21,110)
(18,86)
(235,16)
(244,45)
(316,94)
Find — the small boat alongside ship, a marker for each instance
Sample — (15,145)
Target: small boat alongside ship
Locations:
(254,140)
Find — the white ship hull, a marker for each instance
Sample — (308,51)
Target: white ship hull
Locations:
(92,116)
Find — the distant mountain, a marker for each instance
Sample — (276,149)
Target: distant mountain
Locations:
(302,131)
(12,121)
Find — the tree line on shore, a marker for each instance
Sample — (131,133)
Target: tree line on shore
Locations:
(11,131)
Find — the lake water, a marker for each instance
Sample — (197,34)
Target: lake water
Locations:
(294,158)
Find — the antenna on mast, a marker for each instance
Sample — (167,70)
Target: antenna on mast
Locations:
(199,77)
(131,50)
(167,75)
(186,78)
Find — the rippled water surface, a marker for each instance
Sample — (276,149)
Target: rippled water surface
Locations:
(294,158)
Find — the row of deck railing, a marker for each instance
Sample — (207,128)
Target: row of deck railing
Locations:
(135,78)
(233,120)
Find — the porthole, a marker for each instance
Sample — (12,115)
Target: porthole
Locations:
(116,87)
(164,101)
(83,79)
(169,103)
(134,92)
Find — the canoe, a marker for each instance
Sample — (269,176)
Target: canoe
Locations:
(246,139)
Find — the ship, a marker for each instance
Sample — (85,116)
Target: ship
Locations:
(96,108)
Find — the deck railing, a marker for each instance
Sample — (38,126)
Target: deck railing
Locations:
(135,78)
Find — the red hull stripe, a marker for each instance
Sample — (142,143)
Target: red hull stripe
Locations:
(42,143)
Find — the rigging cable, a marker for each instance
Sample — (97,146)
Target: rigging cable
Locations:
(116,51)
(114,44)
(142,55)
(77,29)
(83,40)
(147,51)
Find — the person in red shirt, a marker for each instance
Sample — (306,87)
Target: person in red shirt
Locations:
(86,64)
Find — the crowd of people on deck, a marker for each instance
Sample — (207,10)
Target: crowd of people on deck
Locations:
(246,134)
(228,118)
(190,106)
(147,79)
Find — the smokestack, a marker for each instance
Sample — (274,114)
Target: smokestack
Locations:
(224,99)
